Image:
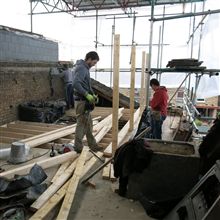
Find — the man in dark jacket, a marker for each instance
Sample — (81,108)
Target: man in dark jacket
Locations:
(84,99)
(158,108)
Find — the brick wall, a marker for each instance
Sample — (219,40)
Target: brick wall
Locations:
(21,82)
(20,45)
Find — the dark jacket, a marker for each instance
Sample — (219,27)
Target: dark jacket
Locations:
(81,79)
(209,149)
(133,156)
(159,100)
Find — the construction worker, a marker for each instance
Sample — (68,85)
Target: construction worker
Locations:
(84,102)
(67,76)
(158,108)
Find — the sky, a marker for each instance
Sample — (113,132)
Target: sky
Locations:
(76,37)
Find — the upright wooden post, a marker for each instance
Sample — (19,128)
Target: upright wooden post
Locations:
(133,58)
(115,92)
(147,75)
(142,92)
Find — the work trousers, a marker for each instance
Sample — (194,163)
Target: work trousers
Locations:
(84,126)
(69,95)
(156,126)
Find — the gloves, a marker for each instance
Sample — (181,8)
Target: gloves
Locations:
(96,99)
(90,98)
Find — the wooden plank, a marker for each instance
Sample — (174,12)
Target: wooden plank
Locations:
(175,121)
(108,135)
(91,183)
(51,203)
(70,136)
(130,135)
(40,124)
(23,131)
(132,85)
(106,140)
(90,163)
(93,160)
(104,145)
(31,127)
(71,190)
(115,91)
(52,189)
(121,135)
(60,171)
(112,177)
(62,178)
(49,136)
(15,135)
(142,93)
(49,162)
(106,171)
(8,140)
(102,133)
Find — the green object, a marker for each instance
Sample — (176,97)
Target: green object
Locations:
(96,98)
(90,98)
(198,122)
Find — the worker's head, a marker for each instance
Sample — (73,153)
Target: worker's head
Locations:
(154,83)
(91,58)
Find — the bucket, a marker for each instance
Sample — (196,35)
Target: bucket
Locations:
(19,153)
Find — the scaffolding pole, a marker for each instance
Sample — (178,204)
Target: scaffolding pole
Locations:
(31,16)
(161,52)
(187,15)
(112,41)
(158,52)
(150,53)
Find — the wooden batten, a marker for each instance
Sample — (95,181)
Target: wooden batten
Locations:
(50,204)
(132,85)
(115,91)
(46,163)
(52,189)
(121,135)
(71,190)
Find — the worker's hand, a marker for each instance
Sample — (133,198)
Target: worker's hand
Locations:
(96,98)
(90,98)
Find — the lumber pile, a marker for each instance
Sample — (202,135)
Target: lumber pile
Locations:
(72,166)
(186,64)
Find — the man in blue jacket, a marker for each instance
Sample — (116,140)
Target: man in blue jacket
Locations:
(84,100)
(68,84)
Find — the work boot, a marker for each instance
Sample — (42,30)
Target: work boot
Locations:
(122,193)
(78,151)
(96,148)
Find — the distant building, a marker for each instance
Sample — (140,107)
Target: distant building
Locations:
(208,107)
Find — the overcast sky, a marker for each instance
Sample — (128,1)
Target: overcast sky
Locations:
(76,37)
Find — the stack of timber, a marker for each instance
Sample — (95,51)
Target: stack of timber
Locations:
(186,64)
(106,93)
(72,166)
